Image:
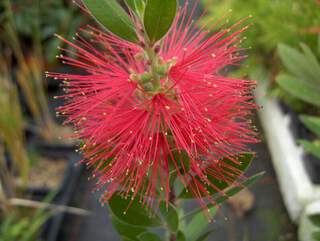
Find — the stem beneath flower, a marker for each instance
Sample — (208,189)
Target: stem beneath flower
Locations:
(173,237)
(152,56)
(173,201)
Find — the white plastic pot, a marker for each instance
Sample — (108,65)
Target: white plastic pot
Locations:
(296,186)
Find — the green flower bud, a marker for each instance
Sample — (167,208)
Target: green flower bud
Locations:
(146,77)
(162,70)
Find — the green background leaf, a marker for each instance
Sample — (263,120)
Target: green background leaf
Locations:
(315,219)
(316,235)
(300,88)
(311,147)
(181,236)
(312,122)
(301,65)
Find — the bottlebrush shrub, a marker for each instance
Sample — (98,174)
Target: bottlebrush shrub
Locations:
(153,110)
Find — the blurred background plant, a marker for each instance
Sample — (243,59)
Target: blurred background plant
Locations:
(11,122)
(36,21)
(274,22)
(287,21)
(315,220)
(279,29)
(284,43)
(27,49)
(28,28)
(22,223)
(17,224)
(302,81)
(15,227)
(6,183)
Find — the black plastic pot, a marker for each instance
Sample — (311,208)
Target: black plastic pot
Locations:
(52,227)
(65,190)
(35,140)
(63,196)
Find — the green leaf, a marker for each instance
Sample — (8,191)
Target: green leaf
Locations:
(158,18)
(313,64)
(19,228)
(131,4)
(316,235)
(218,199)
(181,160)
(34,227)
(149,237)
(181,236)
(233,191)
(301,65)
(112,16)
(7,223)
(128,239)
(292,59)
(137,6)
(315,219)
(136,214)
(300,89)
(312,122)
(311,147)
(244,161)
(319,44)
(170,215)
(204,236)
(198,224)
(126,230)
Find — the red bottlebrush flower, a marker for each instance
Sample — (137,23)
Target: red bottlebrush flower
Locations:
(137,117)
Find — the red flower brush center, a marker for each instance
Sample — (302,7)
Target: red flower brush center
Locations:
(176,102)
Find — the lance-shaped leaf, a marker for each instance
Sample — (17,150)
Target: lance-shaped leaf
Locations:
(170,216)
(132,212)
(300,88)
(301,65)
(312,122)
(198,225)
(218,199)
(316,235)
(311,147)
(236,169)
(205,236)
(181,161)
(113,17)
(315,219)
(181,236)
(148,236)
(158,18)
(126,230)
(128,239)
